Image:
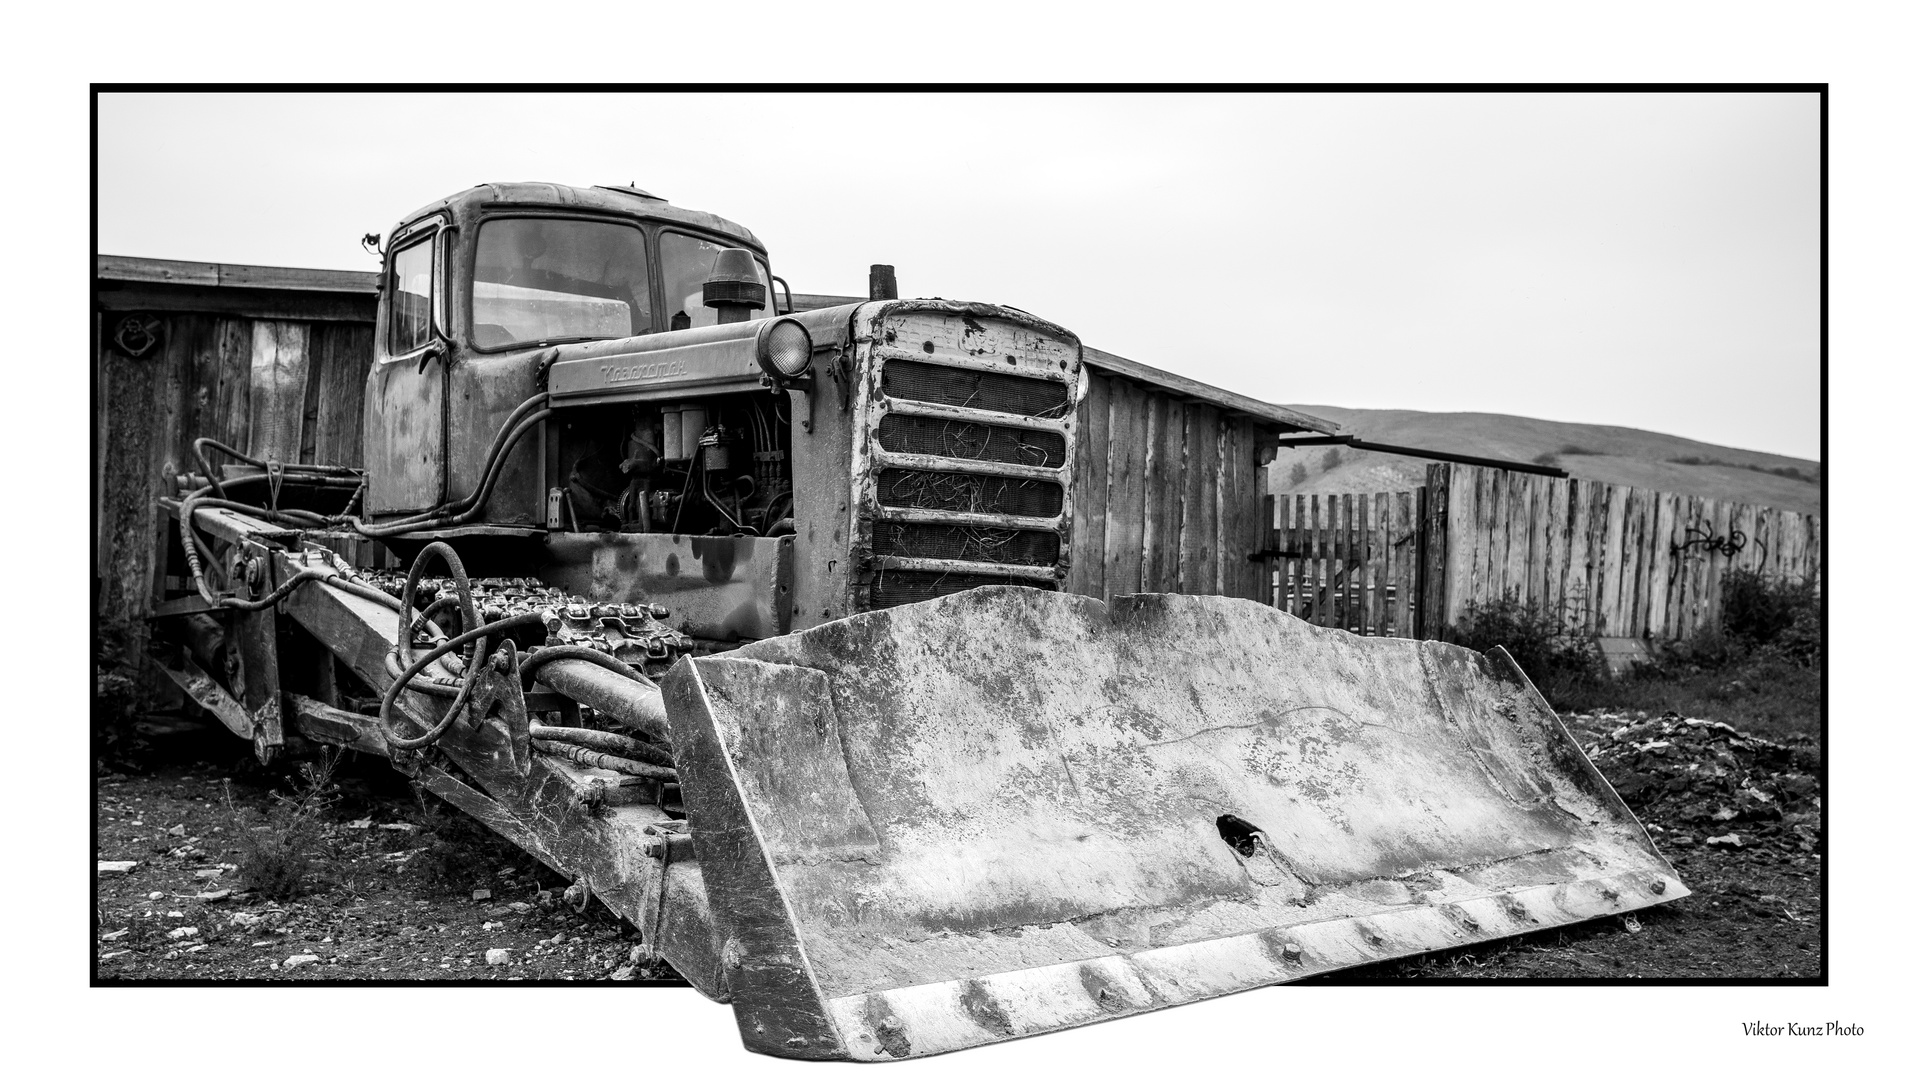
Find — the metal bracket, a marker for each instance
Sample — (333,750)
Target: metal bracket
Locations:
(177,663)
(269,735)
(1266,556)
(498,702)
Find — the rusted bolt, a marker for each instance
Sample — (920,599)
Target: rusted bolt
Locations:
(732,955)
(1657,886)
(890,1025)
(797,1042)
(1293,952)
(578,895)
(654,847)
(1610,894)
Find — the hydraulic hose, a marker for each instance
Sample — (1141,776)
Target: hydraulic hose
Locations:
(596,760)
(479,634)
(529,667)
(468,610)
(605,742)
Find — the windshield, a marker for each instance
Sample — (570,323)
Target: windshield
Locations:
(687,263)
(542,279)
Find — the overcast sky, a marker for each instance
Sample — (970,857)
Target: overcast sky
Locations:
(1645,260)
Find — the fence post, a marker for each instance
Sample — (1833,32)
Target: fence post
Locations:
(1267,541)
(1432,545)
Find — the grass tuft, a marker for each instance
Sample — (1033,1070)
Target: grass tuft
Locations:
(278,855)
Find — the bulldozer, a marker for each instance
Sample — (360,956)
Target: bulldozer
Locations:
(775,631)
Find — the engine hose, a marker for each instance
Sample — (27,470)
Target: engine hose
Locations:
(477,500)
(495,453)
(595,760)
(479,634)
(509,433)
(451,516)
(607,742)
(528,667)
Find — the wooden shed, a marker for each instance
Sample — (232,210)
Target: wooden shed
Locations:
(1171,495)
(271,360)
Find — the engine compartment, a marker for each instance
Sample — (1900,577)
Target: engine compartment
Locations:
(708,466)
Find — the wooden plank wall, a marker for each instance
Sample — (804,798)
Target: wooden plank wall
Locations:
(289,387)
(1165,498)
(1627,562)
(1351,561)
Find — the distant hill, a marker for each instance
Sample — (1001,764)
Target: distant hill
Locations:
(1616,455)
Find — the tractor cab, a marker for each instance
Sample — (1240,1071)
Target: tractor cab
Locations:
(494,303)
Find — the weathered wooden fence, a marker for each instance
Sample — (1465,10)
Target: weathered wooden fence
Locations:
(1621,561)
(1617,560)
(268,361)
(1350,561)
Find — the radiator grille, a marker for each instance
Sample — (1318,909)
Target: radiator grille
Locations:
(996,374)
(1017,547)
(968,493)
(894,587)
(918,381)
(971,441)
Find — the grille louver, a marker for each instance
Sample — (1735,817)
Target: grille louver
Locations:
(965,478)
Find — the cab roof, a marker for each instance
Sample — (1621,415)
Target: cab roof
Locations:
(626,200)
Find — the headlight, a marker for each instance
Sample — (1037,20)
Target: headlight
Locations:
(784,350)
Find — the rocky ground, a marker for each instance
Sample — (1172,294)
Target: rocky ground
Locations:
(398,889)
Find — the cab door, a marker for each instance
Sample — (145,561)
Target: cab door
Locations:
(405,427)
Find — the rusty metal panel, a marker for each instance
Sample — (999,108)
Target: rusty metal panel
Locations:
(404,444)
(1009,811)
(724,588)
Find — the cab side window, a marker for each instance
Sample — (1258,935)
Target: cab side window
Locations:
(411,298)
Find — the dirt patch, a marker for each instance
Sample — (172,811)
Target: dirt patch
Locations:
(398,889)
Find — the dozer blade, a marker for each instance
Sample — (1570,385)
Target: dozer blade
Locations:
(1010,811)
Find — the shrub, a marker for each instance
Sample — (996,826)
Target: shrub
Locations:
(1574,450)
(1332,458)
(276,857)
(1550,460)
(1788,472)
(1298,474)
(1760,612)
(1557,655)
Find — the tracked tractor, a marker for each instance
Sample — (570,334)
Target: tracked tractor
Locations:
(861,656)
